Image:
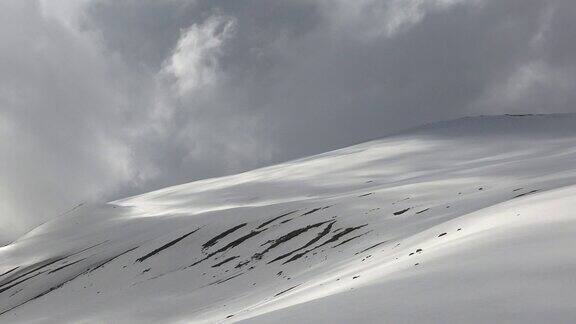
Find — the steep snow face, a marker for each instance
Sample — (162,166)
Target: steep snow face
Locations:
(464,221)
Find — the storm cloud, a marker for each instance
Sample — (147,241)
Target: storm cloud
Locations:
(104,99)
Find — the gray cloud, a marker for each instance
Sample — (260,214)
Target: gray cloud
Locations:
(101,99)
(59,116)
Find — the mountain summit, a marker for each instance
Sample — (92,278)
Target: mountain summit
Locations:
(470,220)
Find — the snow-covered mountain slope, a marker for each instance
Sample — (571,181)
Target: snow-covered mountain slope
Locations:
(471,220)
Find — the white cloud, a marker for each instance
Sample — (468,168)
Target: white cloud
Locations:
(370,19)
(194,63)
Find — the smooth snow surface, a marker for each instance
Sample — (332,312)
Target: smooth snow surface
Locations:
(472,220)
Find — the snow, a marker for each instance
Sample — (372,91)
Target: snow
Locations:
(470,220)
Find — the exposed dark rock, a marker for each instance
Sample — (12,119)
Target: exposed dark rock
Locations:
(220,236)
(9,271)
(225,261)
(165,246)
(371,247)
(286,238)
(285,291)
(320,235)
(275,218)
(66,265)
(311,211)
(350,239)
(228,246)
(217,282)
(112,259)
(334,238)
(400,212)
(526,193)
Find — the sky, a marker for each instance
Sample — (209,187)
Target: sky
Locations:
(102,99)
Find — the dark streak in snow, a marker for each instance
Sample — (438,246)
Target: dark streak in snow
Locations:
(13,284)
(350,239)
(44,292)
(7,272)
(334,238)
(220,236)
(228,246)
(241,264)
(112,259)
(323,233)
(275,218)
(217,282)
(35,267)
(526,193)
(311,211)
(65,266)
(371,247)
(165,246)
(286,238)
(400,212)
(225,261)
(86,249)
(286,290)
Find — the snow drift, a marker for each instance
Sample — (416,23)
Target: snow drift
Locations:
(471,220)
